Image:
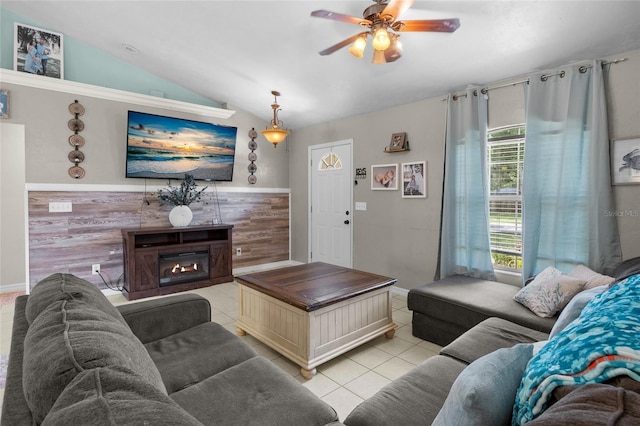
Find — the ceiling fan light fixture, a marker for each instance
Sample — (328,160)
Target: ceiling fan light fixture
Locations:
(378,57)
(357,48)
(381,39)
(276,133)
(394,51)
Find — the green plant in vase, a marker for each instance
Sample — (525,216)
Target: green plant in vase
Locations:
(181,197)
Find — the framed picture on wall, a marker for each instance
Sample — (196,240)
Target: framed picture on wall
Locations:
(625,161)
(398,142)
(38,51)
(384,177)
(4,103)
(414,179)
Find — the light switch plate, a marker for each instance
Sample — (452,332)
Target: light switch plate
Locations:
(60,207)
(361,206)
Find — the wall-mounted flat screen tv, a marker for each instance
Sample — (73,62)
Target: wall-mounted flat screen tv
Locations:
(162,147)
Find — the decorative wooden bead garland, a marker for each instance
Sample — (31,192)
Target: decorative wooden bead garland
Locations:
(253,145)
(76,141)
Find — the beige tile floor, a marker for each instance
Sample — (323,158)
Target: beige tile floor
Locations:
(343,382)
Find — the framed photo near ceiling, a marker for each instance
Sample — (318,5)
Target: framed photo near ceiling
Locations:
(384,177)
(625,161)
(38,51)
(4,103)
(414,180)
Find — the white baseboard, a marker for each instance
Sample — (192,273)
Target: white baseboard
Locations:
(400,291)
(10,288)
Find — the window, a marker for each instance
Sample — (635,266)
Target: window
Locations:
(330,161)
(505,160)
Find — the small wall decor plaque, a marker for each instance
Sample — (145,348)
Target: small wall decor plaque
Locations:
(398,143)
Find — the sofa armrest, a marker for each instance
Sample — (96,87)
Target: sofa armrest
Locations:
(15,410)
(156,319)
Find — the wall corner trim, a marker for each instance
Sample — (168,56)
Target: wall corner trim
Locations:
(47,83)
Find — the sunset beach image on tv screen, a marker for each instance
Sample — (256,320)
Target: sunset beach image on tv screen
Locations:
(167,147)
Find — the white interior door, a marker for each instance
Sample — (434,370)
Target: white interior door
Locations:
(331,200)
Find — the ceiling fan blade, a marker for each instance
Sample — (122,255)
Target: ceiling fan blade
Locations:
(434,25)
(327,14)
(342,44)
(396,8)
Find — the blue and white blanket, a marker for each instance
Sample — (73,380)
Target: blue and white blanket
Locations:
(602,343)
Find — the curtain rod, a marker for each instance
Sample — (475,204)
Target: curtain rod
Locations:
(544,77)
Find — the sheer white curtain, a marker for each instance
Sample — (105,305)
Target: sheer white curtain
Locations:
(567,182)
(464,245)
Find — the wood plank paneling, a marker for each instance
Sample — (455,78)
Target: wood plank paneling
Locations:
(72,242)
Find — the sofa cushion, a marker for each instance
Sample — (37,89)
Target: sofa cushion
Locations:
(489,335)
(546,297)
(483,394)
(413,399)
(254,392)
(115,396)
(193,355)
(462,302)
(58,287)
(69,337)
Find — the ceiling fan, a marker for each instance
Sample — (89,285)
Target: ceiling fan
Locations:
(380,21)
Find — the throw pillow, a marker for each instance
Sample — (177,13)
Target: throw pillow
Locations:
(592,278)
(483,394)
(573,309)
(547,297)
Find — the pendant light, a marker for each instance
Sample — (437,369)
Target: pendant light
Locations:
(276,133)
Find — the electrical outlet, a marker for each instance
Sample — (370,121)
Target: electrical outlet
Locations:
(95,269)
(238,251)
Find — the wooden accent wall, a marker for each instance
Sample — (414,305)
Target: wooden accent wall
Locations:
(72,242)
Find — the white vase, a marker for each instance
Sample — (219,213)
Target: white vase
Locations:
(180,216)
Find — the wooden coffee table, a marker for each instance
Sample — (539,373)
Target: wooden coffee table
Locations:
(312,313)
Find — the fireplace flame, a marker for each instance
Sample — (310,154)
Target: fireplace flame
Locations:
(180,269)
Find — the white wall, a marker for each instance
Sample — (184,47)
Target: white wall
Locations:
(12,208)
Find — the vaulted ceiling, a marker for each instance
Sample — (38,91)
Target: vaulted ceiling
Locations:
(236,52)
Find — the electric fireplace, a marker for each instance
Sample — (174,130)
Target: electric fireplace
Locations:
(183,267)
(163,260)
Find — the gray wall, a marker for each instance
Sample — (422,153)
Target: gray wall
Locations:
(399,237)
(41,156)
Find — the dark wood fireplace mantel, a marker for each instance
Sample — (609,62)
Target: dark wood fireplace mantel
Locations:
(143,247)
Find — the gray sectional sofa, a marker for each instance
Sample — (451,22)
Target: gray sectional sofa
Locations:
(488,341)
(417,397)
(75,359)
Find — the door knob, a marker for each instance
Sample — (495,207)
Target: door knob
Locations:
(346,222)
